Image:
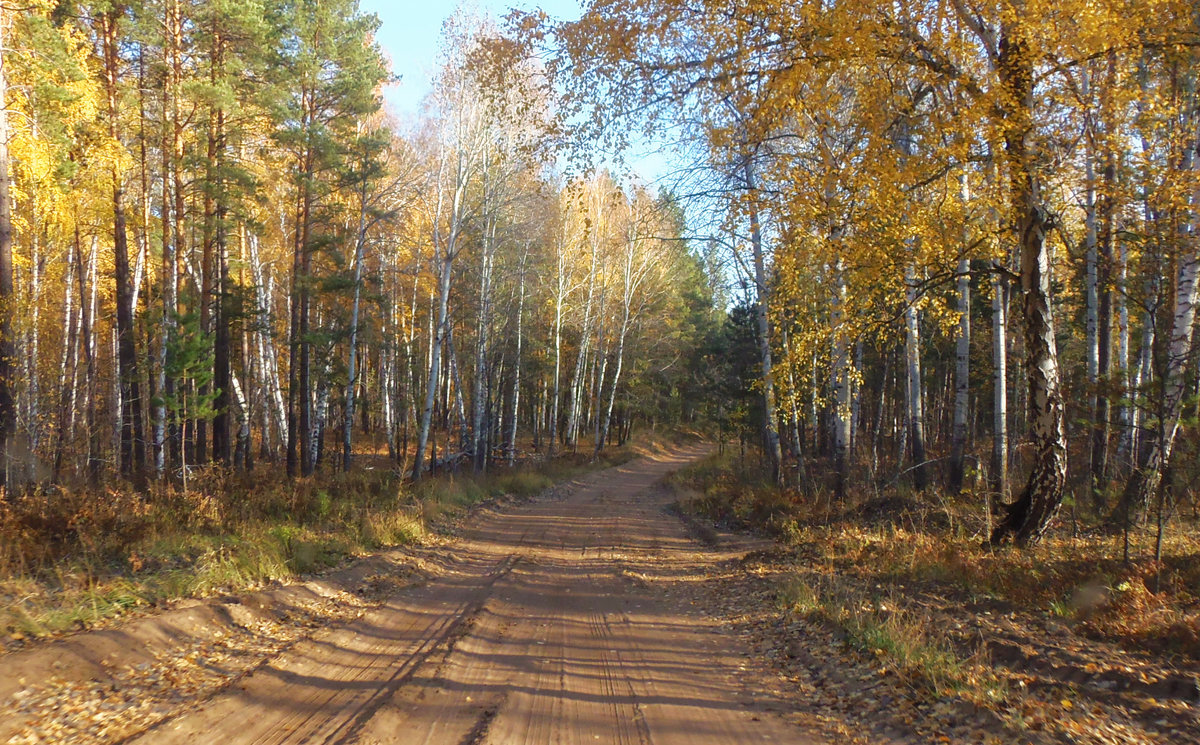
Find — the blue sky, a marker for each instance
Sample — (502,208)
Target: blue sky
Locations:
(411,31)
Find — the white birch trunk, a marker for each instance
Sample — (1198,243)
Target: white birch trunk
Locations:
(761,294)
(630,283)
(962,363)
(443,259)
(962,377)
(479,438)
(840,380)
(510,447)
(1147,478)
(560,296)
(577,377)
(360,242)
(913,384)
(265,341)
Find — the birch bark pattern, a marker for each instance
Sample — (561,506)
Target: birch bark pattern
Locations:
(1146,479)
(631,282)
(481,392)
(560,297)
(1026,519)
(962,375)
(598,216)
(510,447)
(761,290)
(443,257)
(914,387)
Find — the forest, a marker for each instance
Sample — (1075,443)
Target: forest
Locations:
(222,252)
(930,261)
(1023,171)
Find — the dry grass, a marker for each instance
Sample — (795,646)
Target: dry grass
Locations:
(71,558)
(905,642)
(858,559)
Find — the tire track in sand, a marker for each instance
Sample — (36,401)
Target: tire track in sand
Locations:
(563,625)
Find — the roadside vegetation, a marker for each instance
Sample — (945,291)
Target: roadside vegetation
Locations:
(906,580)
(69,561)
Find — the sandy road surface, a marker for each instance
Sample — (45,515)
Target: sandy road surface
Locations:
(550,625)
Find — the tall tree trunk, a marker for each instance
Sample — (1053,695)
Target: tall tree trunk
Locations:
(8,351)
(409,403)
(602,435)
(1107,208)
(585,338)
(761,292)
(962,373)
(1144,375)
(1124,383)
(1027,518)
(510,447)
(1129,449)
(479,449)
(360,242)
(1099,304)
(599,373)
(88,281)
(209,187)
(294,396)
(1103,412)
(999,476)
(556,393)
(70,363)
(223,403)
(443,257)
(168,271)
(435,363)
(300,351)
(840,383)
(1145,480)
(275,408)
(914,386)
(132,441)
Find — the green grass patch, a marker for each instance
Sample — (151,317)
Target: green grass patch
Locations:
(897,639)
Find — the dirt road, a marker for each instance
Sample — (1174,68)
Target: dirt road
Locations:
(551,624)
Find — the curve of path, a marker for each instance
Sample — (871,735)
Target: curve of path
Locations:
(550,625)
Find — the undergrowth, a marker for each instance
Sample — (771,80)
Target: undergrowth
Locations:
(905,642)
(71,558)
(861,558)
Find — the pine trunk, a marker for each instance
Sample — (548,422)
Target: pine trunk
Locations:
(132,443)
(8,351)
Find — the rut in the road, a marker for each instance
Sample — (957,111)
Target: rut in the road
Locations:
(550,624)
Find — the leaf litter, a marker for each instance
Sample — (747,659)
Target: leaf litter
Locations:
(133,698)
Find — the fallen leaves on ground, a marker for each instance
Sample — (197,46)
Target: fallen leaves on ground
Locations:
(1058,687)
(137,697)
